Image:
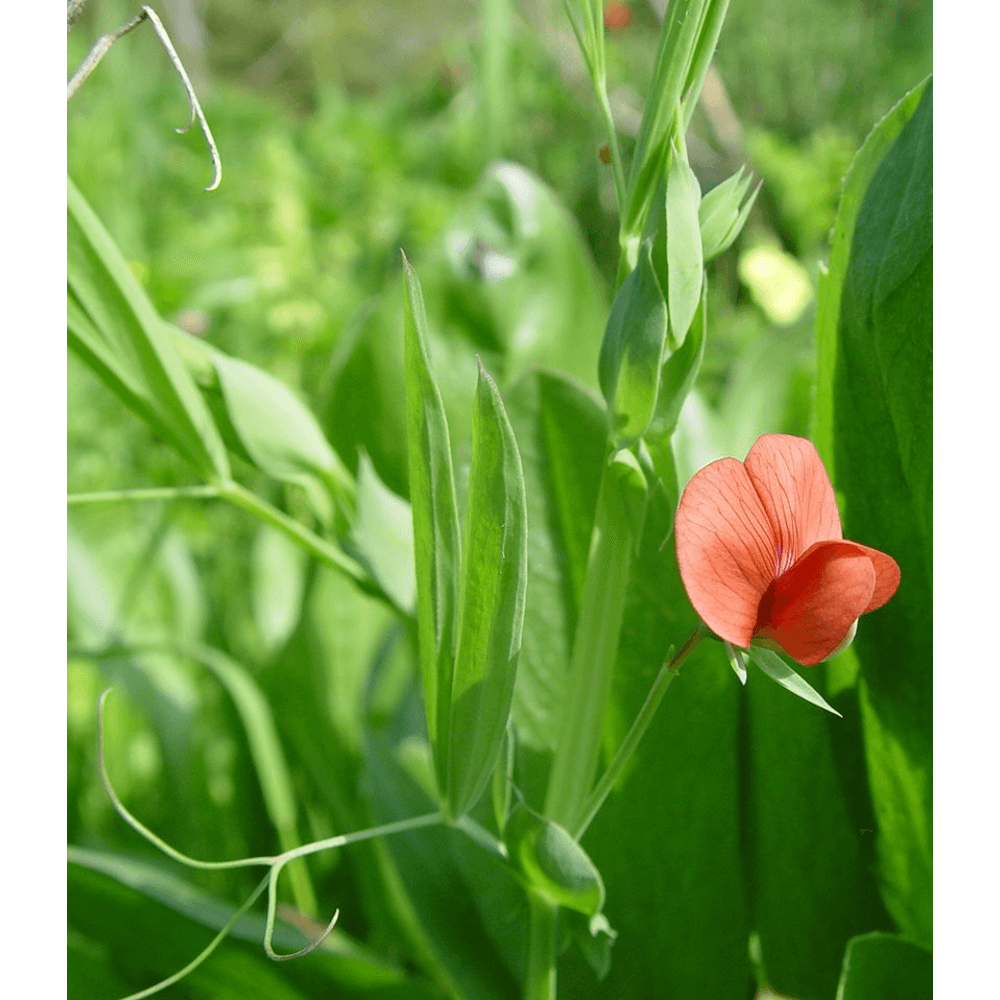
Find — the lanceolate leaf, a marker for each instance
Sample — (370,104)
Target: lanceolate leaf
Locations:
(684,251)
(491,616)
(879,965)
(148,367)
(275,427)
(435,525)
(776,668)
(632,351)
(721,215)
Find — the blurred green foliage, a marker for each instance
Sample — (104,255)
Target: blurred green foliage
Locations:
(347,131)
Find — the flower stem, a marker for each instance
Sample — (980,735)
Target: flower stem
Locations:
(153,493)
(663,679)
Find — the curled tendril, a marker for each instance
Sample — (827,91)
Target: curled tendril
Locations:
(100,49)
(269,882)
(272,898)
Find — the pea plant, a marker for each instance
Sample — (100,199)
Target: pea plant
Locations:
(477,570)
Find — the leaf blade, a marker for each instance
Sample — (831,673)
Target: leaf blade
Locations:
(491,609)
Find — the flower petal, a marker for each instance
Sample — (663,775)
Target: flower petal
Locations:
(796,493)
(725,549)
(886,576)
(812,607)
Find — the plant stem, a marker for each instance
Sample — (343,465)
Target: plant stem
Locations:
(595,646)
(310,541)
(154,493)
(663,679)
(540,983)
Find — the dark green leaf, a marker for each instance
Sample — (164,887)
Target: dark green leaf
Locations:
(885,967)
(882,439)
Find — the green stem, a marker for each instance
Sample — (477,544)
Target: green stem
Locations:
(540,983)
(154,493)
(310,541)
(667,673)
(616,528)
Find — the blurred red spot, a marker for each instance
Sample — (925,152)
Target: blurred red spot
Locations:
(617,17)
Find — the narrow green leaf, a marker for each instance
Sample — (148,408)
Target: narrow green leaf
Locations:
(125,382)
(683,238)
(736,661)
(268,757)
(617,532)
(633,348)
(120,312)
(723,213)
(776,668)
(111,913)
(435,525)
(491,615)
(679,39)
(680,369)
(561,430)
(502,787)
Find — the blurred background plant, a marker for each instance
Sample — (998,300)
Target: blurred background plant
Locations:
(349,130)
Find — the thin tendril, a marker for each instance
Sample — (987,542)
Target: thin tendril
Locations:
(216,941)
(272,899)
(144,831)
(101,47)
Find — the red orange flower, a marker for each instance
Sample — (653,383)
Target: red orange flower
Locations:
(762,555)
(617,17)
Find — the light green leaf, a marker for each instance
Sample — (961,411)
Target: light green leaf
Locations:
(723,213)
(688,31)
(776,668)
(278,568)
(435,525)
(146,366)
(551,863)
(680,369)
(633,348)
(736,661)
(384,534)
(683,239)
(277,430)
(491,614)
